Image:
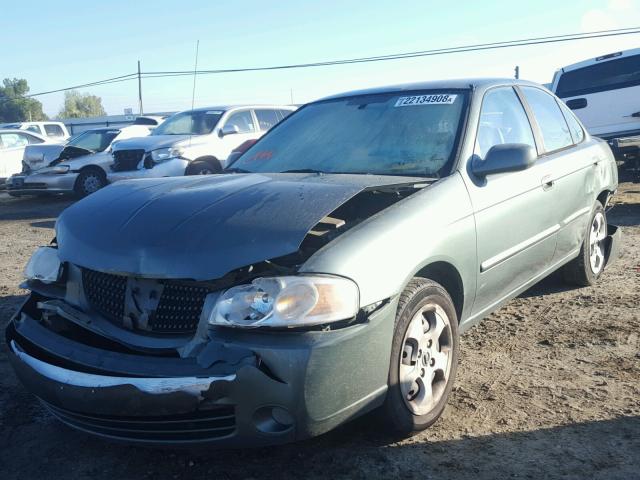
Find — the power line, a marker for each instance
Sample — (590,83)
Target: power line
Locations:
(416,54)
(378,58)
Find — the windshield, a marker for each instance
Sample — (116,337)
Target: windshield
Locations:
(198,122)
(94,140)
(387,134)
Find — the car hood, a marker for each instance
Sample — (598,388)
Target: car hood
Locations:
(40,156)
(201,228)
(153,142)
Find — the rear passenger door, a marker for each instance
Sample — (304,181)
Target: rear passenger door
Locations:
(515,222)
(571,165)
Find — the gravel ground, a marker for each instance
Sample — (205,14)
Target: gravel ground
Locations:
(548,387)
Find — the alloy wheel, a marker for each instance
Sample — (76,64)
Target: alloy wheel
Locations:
(426,358)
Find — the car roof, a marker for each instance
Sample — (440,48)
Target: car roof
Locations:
(462,84)
(15,130)
(601,59)
(224,108)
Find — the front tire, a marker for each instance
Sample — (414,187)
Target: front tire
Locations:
(586,268)
(89,181)
(424,357)
(203,168)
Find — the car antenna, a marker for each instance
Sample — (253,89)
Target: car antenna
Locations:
(193,92)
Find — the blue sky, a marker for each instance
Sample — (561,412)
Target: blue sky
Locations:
(58,44)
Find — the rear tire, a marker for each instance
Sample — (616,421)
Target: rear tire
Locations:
(424,357)
(89,181)
(586,268)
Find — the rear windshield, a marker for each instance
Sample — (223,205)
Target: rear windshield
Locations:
(610,75)
(412,134)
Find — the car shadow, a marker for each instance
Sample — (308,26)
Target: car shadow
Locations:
(625,214)
(32,208)
(554,283)
(595,449)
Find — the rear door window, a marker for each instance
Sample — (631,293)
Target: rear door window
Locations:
(267,118)
(502,120)
(53,130)
(610,75)
(554,128)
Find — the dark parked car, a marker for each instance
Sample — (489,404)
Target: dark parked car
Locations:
(327,274)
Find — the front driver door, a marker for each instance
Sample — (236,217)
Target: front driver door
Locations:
(247,130)
(515,224)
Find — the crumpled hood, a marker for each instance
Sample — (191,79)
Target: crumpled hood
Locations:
(152,142)
(201,228)
(40,156)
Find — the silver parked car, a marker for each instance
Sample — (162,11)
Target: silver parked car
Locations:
(78,167)
(330,273)
(195,142)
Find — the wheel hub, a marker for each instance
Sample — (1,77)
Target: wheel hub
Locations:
(426,358)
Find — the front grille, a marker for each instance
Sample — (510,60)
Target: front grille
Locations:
(126,160)
(178,310)
(185,428)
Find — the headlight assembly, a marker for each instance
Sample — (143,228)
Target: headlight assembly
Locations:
(56,169)
(44,266)
(164,154)
(291,301)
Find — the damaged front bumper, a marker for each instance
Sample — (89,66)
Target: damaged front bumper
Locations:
(41,183)
(242,388)
(174,167)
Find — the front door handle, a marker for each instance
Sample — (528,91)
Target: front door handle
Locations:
(547,182)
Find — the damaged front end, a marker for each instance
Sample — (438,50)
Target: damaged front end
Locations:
(256,355)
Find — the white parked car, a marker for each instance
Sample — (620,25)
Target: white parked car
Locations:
(52,130)
(12,146)
(80,166)
(194,142)
(604,93)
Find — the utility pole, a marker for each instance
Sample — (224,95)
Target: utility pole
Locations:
(140,88)
(517,72)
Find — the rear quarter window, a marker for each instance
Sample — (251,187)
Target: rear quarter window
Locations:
(577,132)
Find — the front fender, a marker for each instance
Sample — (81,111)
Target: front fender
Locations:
(383,253)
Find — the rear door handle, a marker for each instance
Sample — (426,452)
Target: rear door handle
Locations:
(547,182)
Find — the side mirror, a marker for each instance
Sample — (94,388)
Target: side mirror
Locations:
(229,130)
(508,157)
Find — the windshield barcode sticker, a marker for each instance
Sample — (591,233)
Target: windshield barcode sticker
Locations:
(438,99)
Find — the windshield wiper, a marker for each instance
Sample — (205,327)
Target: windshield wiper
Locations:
(236,170)
(303,170)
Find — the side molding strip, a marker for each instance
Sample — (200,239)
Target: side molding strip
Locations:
(510,252)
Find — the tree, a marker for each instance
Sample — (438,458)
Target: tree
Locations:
(81,105)
(15,106)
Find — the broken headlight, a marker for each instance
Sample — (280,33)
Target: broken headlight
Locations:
(44,266)
(61,169)
(290,301)
(163,154)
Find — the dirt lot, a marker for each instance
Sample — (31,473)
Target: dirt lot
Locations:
(548,387)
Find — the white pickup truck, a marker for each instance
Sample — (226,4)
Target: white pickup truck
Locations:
(604,92)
